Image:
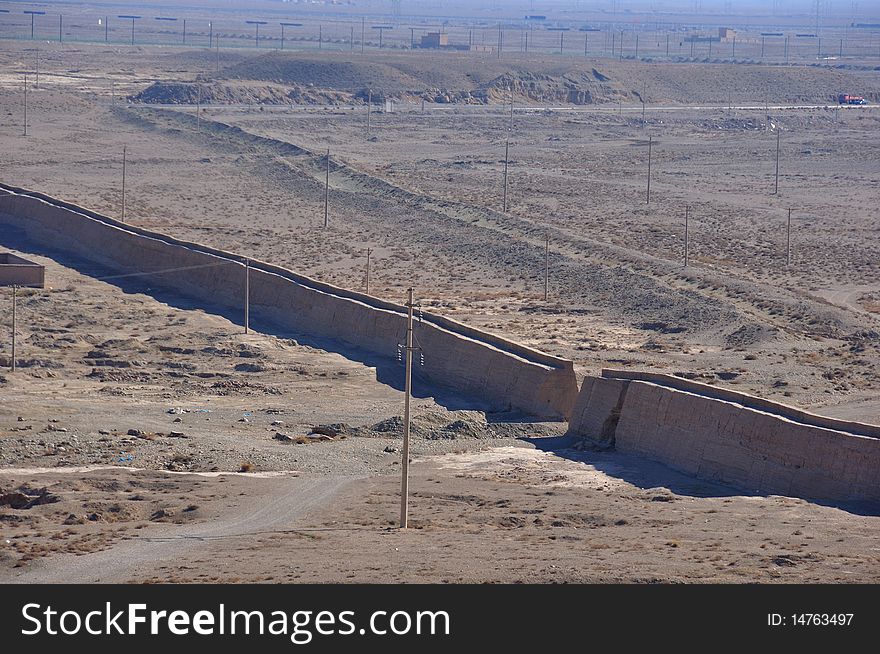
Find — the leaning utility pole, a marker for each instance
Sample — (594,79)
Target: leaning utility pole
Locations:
(778,138)
(327,191)
(404,479)
(124,153)
(650,148)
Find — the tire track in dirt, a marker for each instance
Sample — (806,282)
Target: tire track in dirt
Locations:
(283,502)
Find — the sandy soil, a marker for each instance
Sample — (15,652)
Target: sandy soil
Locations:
(534,512)
(114,374)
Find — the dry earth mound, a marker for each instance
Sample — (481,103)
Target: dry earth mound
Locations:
(224,93)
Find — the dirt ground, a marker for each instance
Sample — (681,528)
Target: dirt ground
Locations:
(144,391)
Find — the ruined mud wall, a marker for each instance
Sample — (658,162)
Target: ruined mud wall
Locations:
(499,373)
(772,449)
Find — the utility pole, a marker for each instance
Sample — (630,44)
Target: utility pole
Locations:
(369,110)
(247,295)
(25,106)
(369,252)
(199,108)
(363,33)
(506,163)
(14,289)
(788,240)
(37,70)
(778,138)
(404,479)
(546,266)
(650,148)
(124,156)
(327,191)
(217,41)
(687,243)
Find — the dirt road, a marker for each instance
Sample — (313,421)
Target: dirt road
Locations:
(273,505)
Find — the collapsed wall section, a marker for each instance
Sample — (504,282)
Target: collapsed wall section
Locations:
(757,450)
(501,374)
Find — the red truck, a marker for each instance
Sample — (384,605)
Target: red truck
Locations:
(850,99)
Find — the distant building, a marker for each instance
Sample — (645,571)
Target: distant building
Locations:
(726,34)
(435,40)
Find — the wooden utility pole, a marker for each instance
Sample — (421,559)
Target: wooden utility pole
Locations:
(327,191)
(778,138)
(687,242)
(369,252)
(788,240)
(369,110)
(506,163)
(363,33)
(404,470)
(546,266)
(124,156)
(247,295)
(25,106)
(650,148)
(199,108)
(14,289)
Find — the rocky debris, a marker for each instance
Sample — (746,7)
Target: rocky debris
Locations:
(250,367)
(162,514)
(25,497)
(328,430)
(219,93)
(303,440)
